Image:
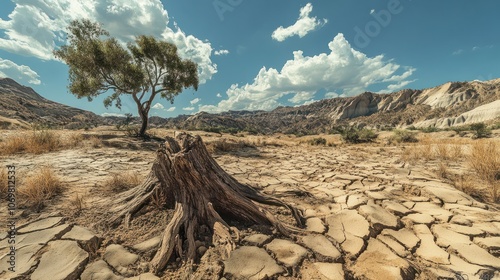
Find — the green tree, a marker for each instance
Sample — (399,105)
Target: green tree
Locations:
(144,69)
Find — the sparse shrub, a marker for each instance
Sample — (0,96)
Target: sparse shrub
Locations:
(74,139)
(485,161)
(95,142)
(469,185)
(40,187)
(77,203)
(224,146)
(354,136)
(318,141)
(43,141)
(442,170)
(442,151)
(403,136)
(480,130)
(430,129)
(119,182)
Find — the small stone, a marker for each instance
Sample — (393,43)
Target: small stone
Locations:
(287,252)
(201,250)
(256,239)
(148,245)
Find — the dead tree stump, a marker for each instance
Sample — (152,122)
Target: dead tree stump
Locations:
(201,193)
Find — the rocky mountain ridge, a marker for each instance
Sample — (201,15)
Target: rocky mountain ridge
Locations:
(451,104)
(21,103)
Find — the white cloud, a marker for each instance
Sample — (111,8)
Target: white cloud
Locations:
(221,52)
(301,28)
(331,95)
(171,109)
(21,73)
(372,11)
(219,95)
(343,70)
(475,48)
(457,52)
(112,115)
(188,108)
(34,28)
(194,101)
(158,106)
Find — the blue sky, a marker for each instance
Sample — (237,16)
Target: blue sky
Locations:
(263,54)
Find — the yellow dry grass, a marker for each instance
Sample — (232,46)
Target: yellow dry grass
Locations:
(35,142)
(39,187)
(123,181)
(484,160)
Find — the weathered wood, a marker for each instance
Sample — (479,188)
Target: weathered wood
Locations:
(202,193)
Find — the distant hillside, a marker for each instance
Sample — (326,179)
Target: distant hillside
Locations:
(451,104)
(24,105)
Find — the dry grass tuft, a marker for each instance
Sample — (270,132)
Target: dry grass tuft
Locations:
(41,186)
(95,142)
(442,170)
(225,145)
(74,140)
(484,159)
(469,185)
(123,181)
(36,142)
(4,184)
(77,203)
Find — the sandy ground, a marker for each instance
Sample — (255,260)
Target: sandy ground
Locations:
(370,215)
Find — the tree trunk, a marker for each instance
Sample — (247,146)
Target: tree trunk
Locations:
(201,193)
(144,125)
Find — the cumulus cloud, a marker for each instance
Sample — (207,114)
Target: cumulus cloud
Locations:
(343,70)
(219,95)
(112,115)
(194,101)
(301,27)
(158,106)
(20,73)
(221,52)
(188,108)
(171,109)
(35,28)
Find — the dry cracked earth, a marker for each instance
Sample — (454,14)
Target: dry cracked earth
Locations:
(368,216)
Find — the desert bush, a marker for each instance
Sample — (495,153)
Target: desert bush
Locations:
(468,184)
(429,129)
(95,142)
(403,136)
(480,130)
(119,182)
(354,136)
(318,141)
(74,139)
(37,142)
(41,186)
(224,146)
(484,159)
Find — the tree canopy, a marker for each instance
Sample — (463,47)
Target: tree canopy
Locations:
(99,64)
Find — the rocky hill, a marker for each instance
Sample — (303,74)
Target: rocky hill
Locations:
(451,104)
(22,105)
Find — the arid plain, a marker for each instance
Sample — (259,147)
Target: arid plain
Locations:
(391,210)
